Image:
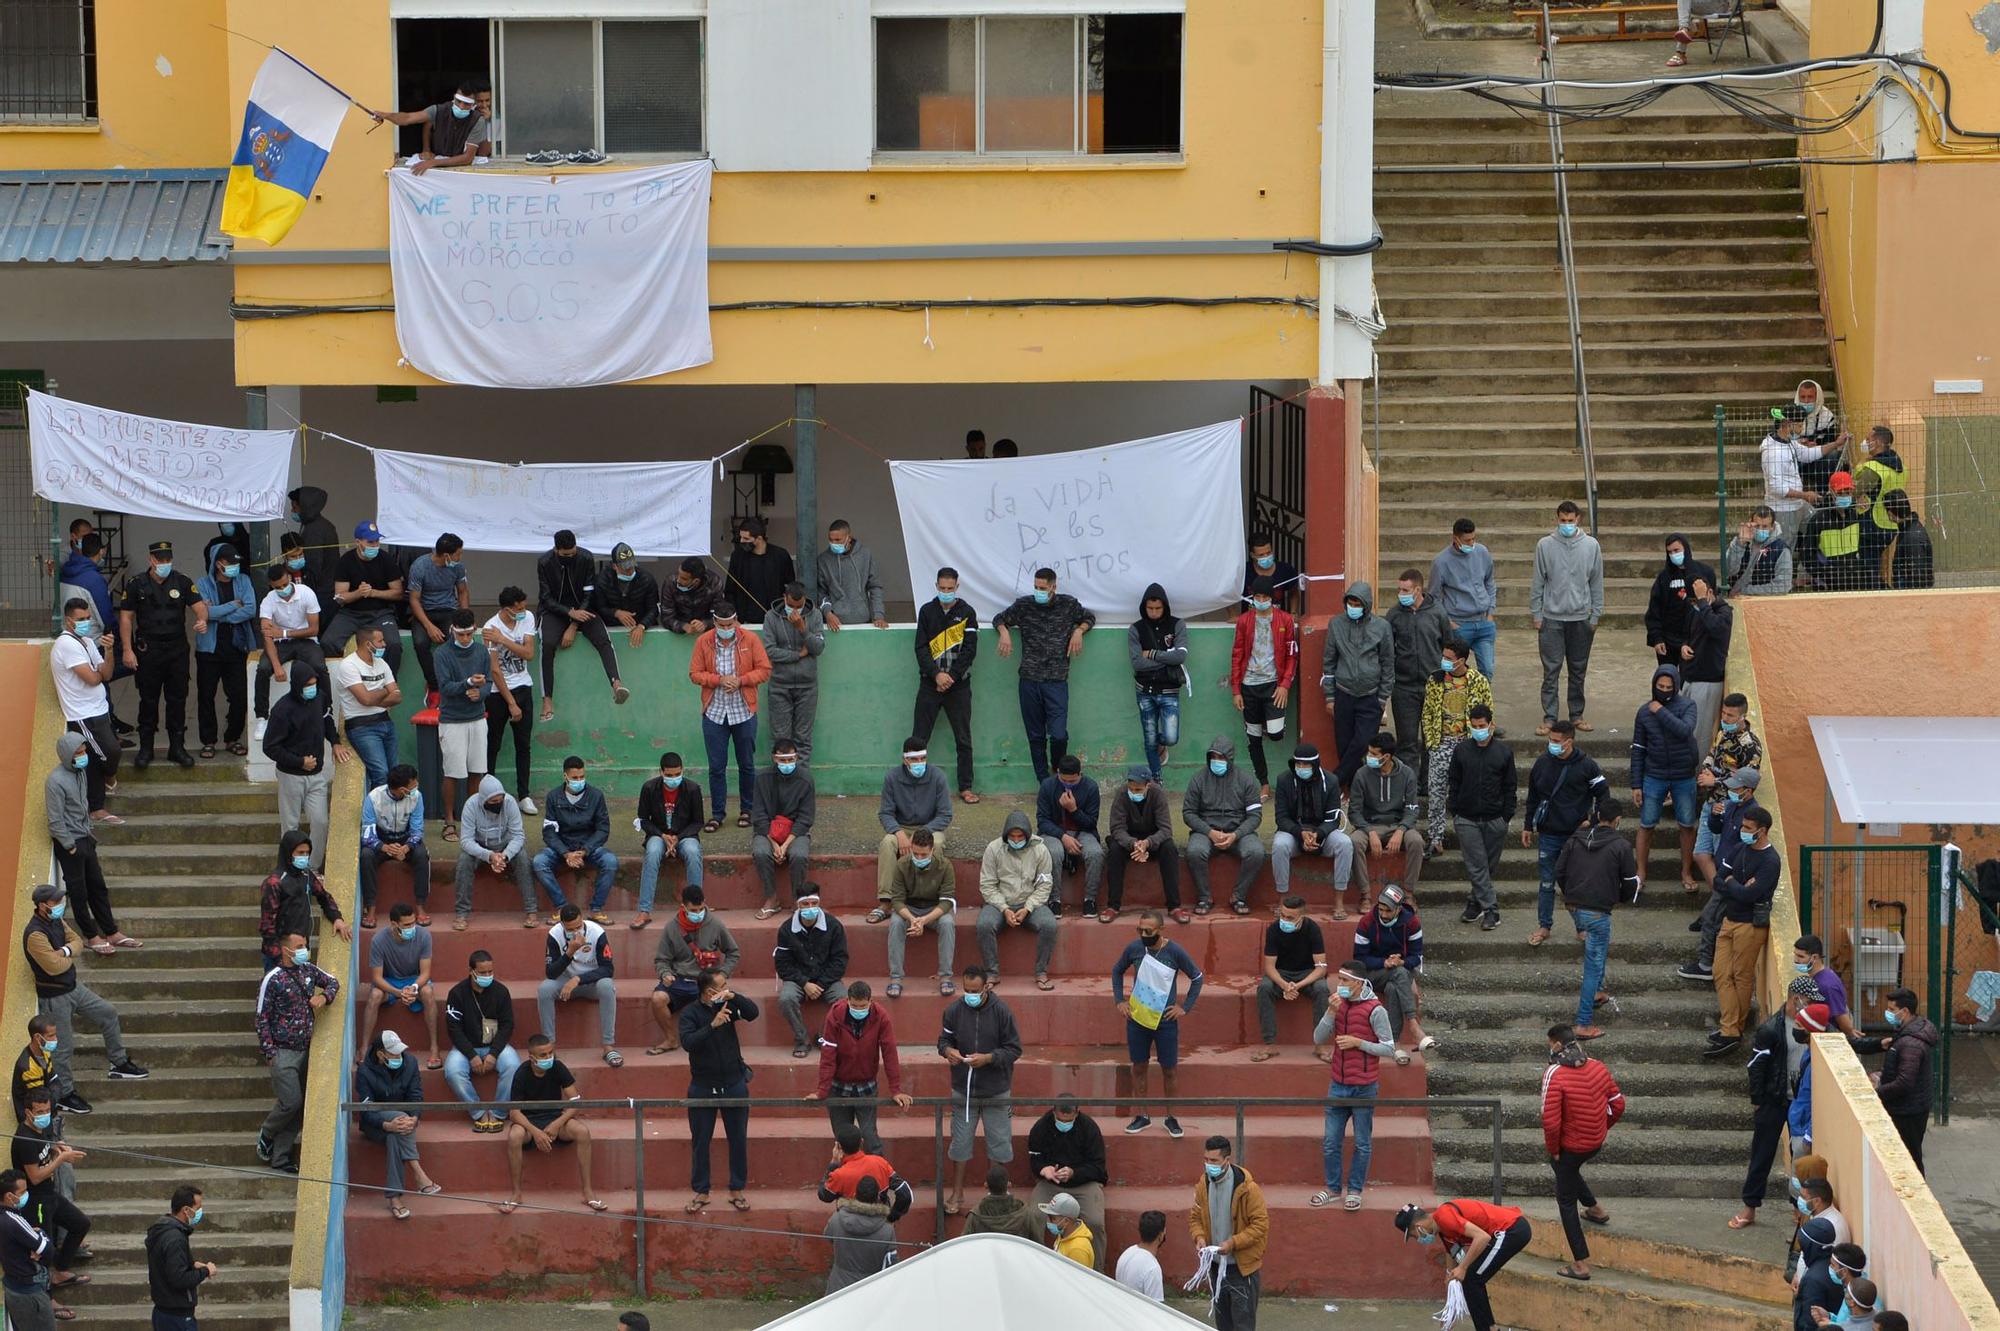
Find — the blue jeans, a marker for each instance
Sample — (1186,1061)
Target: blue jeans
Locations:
(1159,724)
(547,861)
(687,848)
(458,1076)
(1336,1128)
(376,744)
(717,738)
(1479,635)
(1045,715)
(1595,926)
(1654,793)
(1546,849)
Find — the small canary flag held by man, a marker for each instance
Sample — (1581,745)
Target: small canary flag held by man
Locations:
(288,129)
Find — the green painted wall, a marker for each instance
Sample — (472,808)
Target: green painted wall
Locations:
(868,683)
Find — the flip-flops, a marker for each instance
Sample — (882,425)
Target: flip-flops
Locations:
(595,1204)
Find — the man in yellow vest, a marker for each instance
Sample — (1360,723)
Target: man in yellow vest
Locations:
(1831,543)
(1882,475)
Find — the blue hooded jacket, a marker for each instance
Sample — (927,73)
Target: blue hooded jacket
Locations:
(1664,745)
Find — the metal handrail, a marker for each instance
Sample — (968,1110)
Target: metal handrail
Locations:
(937,1104)
(1566,253)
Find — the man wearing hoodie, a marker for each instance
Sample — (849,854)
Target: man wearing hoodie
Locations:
(1052,625)
(1382,819)
(1389,950)
(296,740)
(947,639)
(1263,663)
(1223,808)
(1595,873)
(1566,599)
(978,1039)
(914,795)
(794,637)
(566,580)
(1564,787)
(1671,605)
(66,797)
(1904,1082)
(1229,1216)
(1142,832)
(289,1000)
(864,1240)
(576,962)
(1462,581)
(1016,880)
(318,541)
(1666,754)
(1357,674)
(1481,794)
(490,836)
(82,575)
(287,898)
(781,822)
(221,650)
(1419,629)
(1001,1212)
(1309,820)
(695,940)
(173,1276)
(1770,1088)
(1704,657)
(1157,643)
(811,964)
(48,946)
(392,828)
(576,830)
(849,591)
(1066,810)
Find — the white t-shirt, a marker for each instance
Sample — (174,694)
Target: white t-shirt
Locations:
(513,666)
(1139,1270)
(80,701)
(289,613)
(350,670)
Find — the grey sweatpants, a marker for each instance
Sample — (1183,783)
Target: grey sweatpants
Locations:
(302,802)
(401,1148)
(1707,707)
(790,710)
(469,866)
(1564,641)
(1249,853)
(64,1009)
(288,1113)
(30,1311)
(1480,841)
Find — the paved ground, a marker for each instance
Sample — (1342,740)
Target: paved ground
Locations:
(1963,1158)
(730,1315)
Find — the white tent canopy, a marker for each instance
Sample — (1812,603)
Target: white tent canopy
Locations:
(986,1282)
(1902,769)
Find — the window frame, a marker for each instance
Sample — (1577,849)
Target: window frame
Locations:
(496,62)
(980,156)
(88,107)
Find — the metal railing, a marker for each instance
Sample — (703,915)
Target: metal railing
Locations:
(1566,253)
(939,1107)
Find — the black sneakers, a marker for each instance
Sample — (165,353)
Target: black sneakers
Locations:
(1139,1123)
(129,1071)
(73,1104)
(1694,970)
(1173,1126)
(1471,913)
(1719,1044)
(1491,920)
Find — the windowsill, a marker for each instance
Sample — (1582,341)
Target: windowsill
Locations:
(516,166)
(898,161)
(50,127)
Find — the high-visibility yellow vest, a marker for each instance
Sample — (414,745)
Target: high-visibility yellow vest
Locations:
(1888,481)
(1837,541)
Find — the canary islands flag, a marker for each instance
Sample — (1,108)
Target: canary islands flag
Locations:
(288,129)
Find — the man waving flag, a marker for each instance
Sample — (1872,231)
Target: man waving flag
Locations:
(288,130)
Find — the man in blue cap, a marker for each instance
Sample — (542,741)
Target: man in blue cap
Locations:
(367,588)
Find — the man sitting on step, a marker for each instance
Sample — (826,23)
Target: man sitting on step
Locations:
(399,973)
(50,946)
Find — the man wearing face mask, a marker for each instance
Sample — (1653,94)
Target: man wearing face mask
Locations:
(222,648)
(857,1059)
(367,588)
(1856,1307)
(849,591)
(1595,874)
(1066,808)
(1481,794)
(627,596)
(794,637)
(1419,628)
(1565,787)
(1283,577)
(1294,966)
(1580,1104)
(1357,675)
(1309,819)
(399,974)
(922,897)
(1066,1153)
(544,1116)
(288,620)
(947,641)
(781,822)
(1142,832)
(1905,1082)
(491,836)
(1231,1228)
(438,587)
(979,1040)
(729,665)
(695,940)
(1389,950)
(1770,1088)
(811,963)
(1358,1033)
(576,827)
(758,570)
(1052,625)
(479,1022)
(392,829)
(1671,604)
(457,132)
(577,963)
(1382,809)
(288,896)
(66,797)
(1823,1286)
(173,1276)
(687,600)
(1830,543)
(509,638)
(25,1252)
(464,668)
(153,629)
(39,1152)
(1153,1013)
(1462,581)
(716,1070)
(914,796)
(1016,880)
(388,1075)
(669,824)
(1450,694)
(1263,665)
(566,580)
(1566,599)
(1486,1236)
(1746,876)
(80,664)
(1223,809)
(1759,559)
(1722,824)
(288,1001)
(50,947)
(297,741)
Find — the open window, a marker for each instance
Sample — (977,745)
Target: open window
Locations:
(1075,85)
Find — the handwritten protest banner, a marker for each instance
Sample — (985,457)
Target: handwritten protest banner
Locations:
(506,281)
(149,466)
(658,508)
(1108,521)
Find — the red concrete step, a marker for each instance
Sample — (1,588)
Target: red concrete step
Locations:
(1043,1072)
(791,1147)
(1076,1011)
(776,1247)
(1220,944)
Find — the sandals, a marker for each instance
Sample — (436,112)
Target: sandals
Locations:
(596,1205)
(1539,937)
(614,1058)
(739,1202)
(533,920)
(1568,1272)
(1320,1198)
(126,941)
(1742,1222)
(461,923)
(399,1211)
(946,987)
(423,919)
(1203,908)
(1604,1219)
(208,750)
(876,916)
(743,820)
(368,918)
(767,910)
(895,989)
(1107,916)
(1240,907)
(696,1204)
(431,1189)
(969,796)
(712,825)
(102,948)
(1677,59)
(1044,983)
(1264,1055)
(641,920)
(509,1206)
(240,749)
(451,833)
(1181,915)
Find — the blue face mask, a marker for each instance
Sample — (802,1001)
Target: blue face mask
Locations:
(921,861)
(787,769)
(1016,845)
(1566,528)
(41,1122)
(1763,533)
(696,916)
(195,1219)
(1677,557)
(627,577)
(1355,612)
(1405,599)
(1803,968)
(82,759)
(520,616)
(231,570)
(408,931)
(946,598)
(1731,727)
(302,861)
(918,769)
(974,1000)
(460,113)
(1267,561)
(858,1013)
(1261,604)
(302,956)
(1373,761)
(288,591)
(1289,926)
(1052,1227)
(1042,597)
(1749,834)
(1218,766)
(1803,1208)
(1136,796)
(672,782)
(483,981)
(726,635)
(164,569)
(1893,1017)
(574,785)
(1302,773)
(1214,1171)
(393,1062)
(296,563)
(60,909)
(808,914)
(1345,991)
(544,1064)
(454,564)
(1446,664)
(1480,733)
(838,547)
(309,692)
(1843,501)
(1555,749)
(1427,1238)
(1733,796)
(49,1046)
(21,1202)
(370,551)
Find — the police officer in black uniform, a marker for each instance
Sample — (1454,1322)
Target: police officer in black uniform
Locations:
(154,616)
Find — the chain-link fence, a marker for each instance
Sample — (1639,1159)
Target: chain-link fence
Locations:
(1924,510)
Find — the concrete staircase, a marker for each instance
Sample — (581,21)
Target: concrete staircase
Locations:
(184,872)
(1696,287)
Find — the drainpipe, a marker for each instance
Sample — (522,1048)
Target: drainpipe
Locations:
(1346,185)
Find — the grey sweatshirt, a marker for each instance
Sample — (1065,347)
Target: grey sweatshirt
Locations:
(1383,799)
(1360,655)
(848,586)
(1568,582)
(1228,803)
(1384,1043)
(794,654)
(484,832)
(66,794)
(915,801)
(1464,583)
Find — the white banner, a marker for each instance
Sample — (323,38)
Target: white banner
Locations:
(507,281)
(151,467)
(658,508)
(1168,509)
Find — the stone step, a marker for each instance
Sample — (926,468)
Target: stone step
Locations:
(1524,140)
(196,797)
(1465,1169)
(117,1283)
(216,1311)
(1475,1007)
(1703,1084)
(249,863)
(1409,197)
(1605,175)
(224,770)
(1554,413)
(1636,939)
(1689,228)
(1652,1113)
(1601,352)
(235,830)
(1666,1149)
(118,1101)
(155,922)
(1728,308)
(1671,479)
(1682,1049)
(1513,544)
(135,1189)
(1537,1299)
(134,1124)
(1419,122)
(1717,333)
(1599,273)
(1611,381)
(1720,255)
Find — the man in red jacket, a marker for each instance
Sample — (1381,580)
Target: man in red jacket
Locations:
(1580,1102)
(857,1052)
(1262,666)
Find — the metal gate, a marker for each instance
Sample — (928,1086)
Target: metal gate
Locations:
(1277,474)
(27,530)
(1887,923)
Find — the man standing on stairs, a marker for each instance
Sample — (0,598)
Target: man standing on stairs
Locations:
(794,638)
(66,796)
(24,1254)
(1052,626)
(978,1038)
(296,741)
(1462,581)
(1595,873)
(1357,1030)
(1771,1088)
(1580,1103)
(1565,787)
(1419,629)
(1481,793)
(1154,1011)
(288,896)
(1746,876)
(173,1276)
(1671,605)
(81,665)
(50,947)
(1232,1228)
(1566,599)
(153,620)
(39,1152)
(1357,674)
(1450,694)
(288,1001)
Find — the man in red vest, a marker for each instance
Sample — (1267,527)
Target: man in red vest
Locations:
(1356,1028)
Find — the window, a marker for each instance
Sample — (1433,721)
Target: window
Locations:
(1078,85)
(48,61)
(622,87)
